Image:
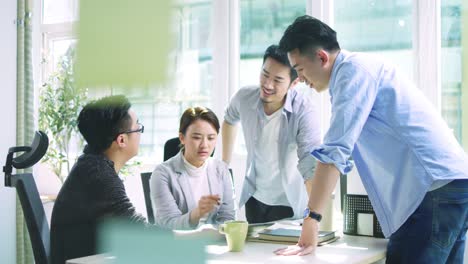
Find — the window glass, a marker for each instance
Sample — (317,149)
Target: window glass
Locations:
(451,57)
(378,27)
(59,11)
(58,48)
(263,23)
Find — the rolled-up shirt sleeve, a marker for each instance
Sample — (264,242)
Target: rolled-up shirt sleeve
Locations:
(232,111)
(353,95)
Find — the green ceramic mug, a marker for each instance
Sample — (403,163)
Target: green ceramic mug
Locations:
(236,232)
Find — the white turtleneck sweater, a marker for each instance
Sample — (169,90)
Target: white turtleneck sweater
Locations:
(198,179)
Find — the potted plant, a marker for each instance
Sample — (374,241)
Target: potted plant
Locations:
(60,103)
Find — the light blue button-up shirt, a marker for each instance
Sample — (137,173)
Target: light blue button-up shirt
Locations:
(400,144)
(299,133)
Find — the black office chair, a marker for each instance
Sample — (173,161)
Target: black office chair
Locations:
(33,210)
(145,181)
(171,148)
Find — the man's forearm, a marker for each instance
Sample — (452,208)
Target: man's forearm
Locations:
(229,133)
(322,185)
(308,185)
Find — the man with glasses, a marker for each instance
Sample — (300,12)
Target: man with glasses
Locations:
(93,189)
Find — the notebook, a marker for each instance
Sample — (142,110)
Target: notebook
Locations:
(257,227)
(291,235)
(286,232)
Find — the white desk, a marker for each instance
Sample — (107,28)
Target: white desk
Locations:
(348,249)
(94,259)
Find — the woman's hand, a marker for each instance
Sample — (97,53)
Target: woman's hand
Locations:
(206,204)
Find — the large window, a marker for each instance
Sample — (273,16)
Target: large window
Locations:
(452,101)
(379,27)
(57,21)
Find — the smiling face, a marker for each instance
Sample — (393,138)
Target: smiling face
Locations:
(275,80)
(199,142)
(313,70)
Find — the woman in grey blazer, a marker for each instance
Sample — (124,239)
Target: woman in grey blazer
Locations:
(192,188)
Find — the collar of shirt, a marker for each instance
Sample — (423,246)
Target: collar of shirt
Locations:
(287,106)
(93,156)
(339,58)
(192,170)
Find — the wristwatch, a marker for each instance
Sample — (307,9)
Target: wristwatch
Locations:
(314,215)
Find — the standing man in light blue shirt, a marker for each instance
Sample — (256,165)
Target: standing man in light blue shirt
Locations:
(413,169)
(281,127)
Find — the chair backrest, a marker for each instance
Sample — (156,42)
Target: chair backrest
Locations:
(34,215)
(145,181)
(171,148)
(26,189)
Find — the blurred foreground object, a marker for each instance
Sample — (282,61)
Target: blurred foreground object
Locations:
(123,43)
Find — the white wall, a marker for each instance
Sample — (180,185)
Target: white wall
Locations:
(8,136)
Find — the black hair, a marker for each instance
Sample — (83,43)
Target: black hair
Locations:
(193,114)
(280,56)
(101,121)
(307,34)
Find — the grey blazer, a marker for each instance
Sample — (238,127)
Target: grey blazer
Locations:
(172,196)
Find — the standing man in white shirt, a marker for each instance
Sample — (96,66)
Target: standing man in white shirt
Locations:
(281,127)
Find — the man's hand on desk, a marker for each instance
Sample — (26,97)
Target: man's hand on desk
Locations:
(307,242)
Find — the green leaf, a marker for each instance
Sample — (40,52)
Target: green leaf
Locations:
(60,102)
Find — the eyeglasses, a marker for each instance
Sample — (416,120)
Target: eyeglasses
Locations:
(141,129)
